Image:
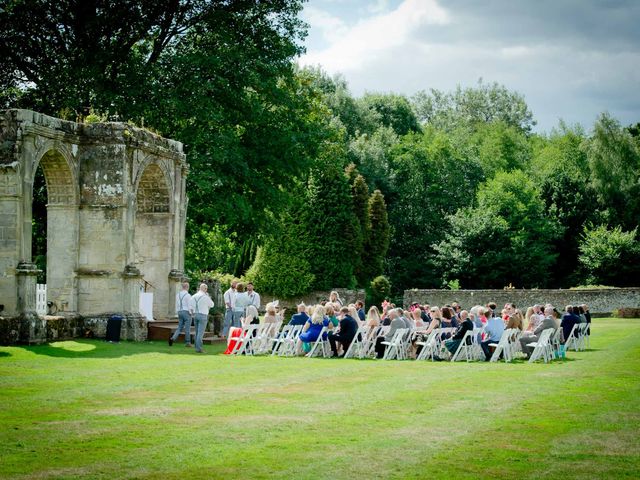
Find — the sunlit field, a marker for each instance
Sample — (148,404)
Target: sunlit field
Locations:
(89,409)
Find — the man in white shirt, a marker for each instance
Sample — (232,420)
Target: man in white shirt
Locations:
(253,296)
(201,303)
(229,303)
(183,309)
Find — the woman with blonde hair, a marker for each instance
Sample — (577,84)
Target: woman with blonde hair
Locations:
(273,317)
(354,313)
(330,312)
(312,328)
(335,298)
(373,317)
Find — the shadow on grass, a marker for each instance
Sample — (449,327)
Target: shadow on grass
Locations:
(4,354)
(83,348)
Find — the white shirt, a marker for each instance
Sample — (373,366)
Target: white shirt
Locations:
(255,299)
(201,303)
(230,298)
(242,302)
(183,300)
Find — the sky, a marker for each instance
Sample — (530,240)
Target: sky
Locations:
(571,59)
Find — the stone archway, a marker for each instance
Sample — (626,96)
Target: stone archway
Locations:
(153,235)
(61,228)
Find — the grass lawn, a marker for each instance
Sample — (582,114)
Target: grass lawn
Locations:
(88,409)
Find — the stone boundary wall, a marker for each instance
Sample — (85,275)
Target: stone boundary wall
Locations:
(347,296)
(34,329)
(600,301)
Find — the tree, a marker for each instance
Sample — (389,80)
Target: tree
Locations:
(506,239)
(216,75)
(431,180)
(377,236)
(610,256)
(331,226)
(393,111)
(472,106)
(360,197)
(501,148)
(614,162)
(372,156)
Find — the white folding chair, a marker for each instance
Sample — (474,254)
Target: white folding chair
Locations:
(321,345)
(502,347)
(466,348)
(542,348)
(395,345)
(359,343)
(572,339)
(288,349)
(285,344)
(244,342)
(430,347)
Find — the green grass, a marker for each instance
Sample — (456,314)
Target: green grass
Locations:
(90,409)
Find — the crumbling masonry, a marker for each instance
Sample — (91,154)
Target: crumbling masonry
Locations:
(115,218)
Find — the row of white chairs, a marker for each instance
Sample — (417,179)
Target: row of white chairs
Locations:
(267,339)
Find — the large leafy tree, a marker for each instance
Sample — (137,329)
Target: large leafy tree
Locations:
(507,238)
(217,75)
(431,180)
(485,103)
(614,161)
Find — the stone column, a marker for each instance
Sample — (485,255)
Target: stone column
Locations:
(26,274)
(176,277)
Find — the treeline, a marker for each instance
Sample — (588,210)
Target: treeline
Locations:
(298,185)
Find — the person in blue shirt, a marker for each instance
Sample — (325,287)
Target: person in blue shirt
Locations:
(493,331)
(301,317)
(360,308)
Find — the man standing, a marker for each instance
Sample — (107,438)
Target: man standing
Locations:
(183,309)
(200,304)
(253,296)
(229,303)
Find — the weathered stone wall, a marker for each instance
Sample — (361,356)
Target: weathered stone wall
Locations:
(314,298)
(115,215)
(600,301)
(35,329)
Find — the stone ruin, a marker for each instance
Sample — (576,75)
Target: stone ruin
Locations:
(116,215)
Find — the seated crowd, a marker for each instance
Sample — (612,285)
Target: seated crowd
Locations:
(340,324)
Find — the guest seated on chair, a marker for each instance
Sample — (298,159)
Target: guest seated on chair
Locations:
(549,321)
(396,322)
(569,319)
(348,329)
(312,329)
(301,317)
(251,318)
(493,331)
(453,344)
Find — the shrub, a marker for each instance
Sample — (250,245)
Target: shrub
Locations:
(380,288)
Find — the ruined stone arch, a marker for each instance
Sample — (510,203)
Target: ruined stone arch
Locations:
(116,204)
(59,173)
(153,189)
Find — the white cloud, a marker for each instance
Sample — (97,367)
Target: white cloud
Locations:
(367,40)
(331,28)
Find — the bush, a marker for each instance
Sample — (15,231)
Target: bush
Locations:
(279,272)
(379,289)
